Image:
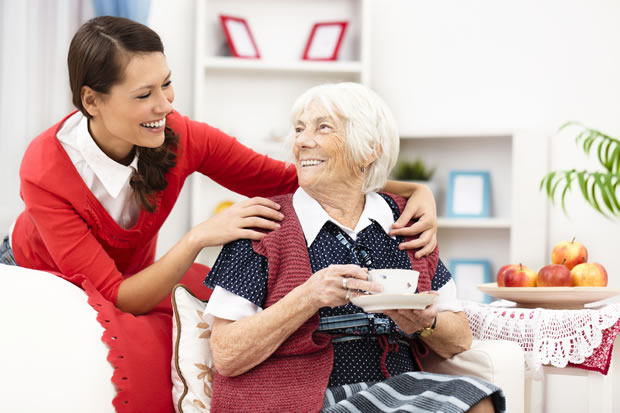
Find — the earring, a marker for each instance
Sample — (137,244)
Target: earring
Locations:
(363,169)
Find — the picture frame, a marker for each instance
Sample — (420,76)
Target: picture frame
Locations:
(239,37)
(324,41)
(468,194)
(468,274)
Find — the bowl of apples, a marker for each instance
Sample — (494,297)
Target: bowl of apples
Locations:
(569,282)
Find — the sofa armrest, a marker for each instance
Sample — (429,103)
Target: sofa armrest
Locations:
(52,358)
(497,361)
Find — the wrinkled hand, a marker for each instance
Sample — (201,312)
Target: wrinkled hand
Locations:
(410,321)
(325,287)
(420,206)
(239,221)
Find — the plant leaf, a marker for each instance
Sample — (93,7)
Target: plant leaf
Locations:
(613,164)
(564,192)
(599,189)
(598,182)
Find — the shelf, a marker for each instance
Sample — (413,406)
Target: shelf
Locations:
(257,65)
(489,223)
(450,134)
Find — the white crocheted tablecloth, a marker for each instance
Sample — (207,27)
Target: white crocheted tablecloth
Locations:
(561,338)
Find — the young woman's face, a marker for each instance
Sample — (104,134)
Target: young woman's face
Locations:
(134,111)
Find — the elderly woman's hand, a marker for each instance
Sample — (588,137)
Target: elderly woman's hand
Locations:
(335,285)
(420,206)
(410,321)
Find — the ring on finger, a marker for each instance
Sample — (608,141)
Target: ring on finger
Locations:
(348,296)
(344,283)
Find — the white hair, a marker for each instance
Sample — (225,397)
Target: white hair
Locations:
(370,127)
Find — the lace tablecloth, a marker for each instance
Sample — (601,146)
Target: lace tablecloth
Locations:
(561,338)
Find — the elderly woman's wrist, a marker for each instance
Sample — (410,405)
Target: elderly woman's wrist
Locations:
(301,295)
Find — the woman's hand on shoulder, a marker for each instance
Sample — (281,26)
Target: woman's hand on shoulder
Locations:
(326,287)
(420,206)
(239,221)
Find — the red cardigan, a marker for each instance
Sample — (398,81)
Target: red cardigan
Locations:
(295,377)
(65,230)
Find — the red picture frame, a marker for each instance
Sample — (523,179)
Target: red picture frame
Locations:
(239,37)
(325,40)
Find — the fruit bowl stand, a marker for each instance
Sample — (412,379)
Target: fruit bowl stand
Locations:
(566,342)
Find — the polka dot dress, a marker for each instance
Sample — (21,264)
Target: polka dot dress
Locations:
(357,356)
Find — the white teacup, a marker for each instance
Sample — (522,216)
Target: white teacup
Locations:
(395,281)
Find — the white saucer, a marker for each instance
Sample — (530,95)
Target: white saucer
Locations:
(380,302)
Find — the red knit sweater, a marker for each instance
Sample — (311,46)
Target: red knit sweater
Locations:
(64,229)
(295,377)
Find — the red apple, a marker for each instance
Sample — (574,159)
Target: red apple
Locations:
(519,276)
(554,275)
(589,274)
(501,272)
(569,253)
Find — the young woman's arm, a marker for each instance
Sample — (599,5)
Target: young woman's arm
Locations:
(141,292)
(420,206)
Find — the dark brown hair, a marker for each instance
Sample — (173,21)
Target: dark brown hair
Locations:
(98,55)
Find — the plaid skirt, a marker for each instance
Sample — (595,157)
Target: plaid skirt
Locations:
(413,392)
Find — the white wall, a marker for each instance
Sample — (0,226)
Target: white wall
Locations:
(467,66)
(486,65)
(174,22)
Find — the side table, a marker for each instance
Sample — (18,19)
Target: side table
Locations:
(569,354)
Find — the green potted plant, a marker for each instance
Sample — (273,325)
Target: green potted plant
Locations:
(415,170)
(598,188)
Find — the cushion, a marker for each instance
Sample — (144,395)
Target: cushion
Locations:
(192,364)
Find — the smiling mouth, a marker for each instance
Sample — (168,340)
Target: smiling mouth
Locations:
(154,125)
(311,162)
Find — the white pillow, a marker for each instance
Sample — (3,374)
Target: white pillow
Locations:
(192,363)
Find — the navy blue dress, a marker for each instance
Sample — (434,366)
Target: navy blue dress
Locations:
(360,339)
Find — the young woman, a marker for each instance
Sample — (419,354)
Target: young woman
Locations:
(99,184)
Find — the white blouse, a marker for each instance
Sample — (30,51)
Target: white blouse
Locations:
(107,179)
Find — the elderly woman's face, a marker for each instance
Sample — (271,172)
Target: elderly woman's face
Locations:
(320,154)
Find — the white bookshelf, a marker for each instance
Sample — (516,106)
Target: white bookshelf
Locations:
(251,98)
(480,223)
(516,160)
(353,69)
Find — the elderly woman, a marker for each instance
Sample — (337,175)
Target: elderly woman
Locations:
(285,335)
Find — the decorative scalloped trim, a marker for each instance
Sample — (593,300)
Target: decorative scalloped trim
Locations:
(590,363)
(131,397)
(114,323)
(105,309)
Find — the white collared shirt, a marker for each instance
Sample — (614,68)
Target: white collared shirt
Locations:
(312,217)
(107,179)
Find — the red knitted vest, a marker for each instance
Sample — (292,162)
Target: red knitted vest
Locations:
(295,377)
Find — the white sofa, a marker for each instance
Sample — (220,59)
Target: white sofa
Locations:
(53,359)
